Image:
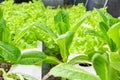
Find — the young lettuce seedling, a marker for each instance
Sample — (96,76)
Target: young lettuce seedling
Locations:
(13,55)
(63,36)
(105,64)
(63,33)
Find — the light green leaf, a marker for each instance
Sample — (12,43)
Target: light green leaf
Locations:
(115,60)
(113,75)
(71,72)
(32,57)
(92,32)
(101,13)
(46,29)
(101,66)
(77,25)
(64,41)
(10,52)
(78,58)
(52,60)
(20,34)
(61,20)
(6,37)
(114,33)
(104,28)
(4,30)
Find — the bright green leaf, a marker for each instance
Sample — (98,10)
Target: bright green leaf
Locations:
(61,20)
(10,52)
(92,32)
(114,33)
(78,23)
(52,60)
(22,33)
(101,13)
(114,74)
(71,72)
(46,29)
(64,41)
(115,60)
(32,57)
(79,58)
(101,66)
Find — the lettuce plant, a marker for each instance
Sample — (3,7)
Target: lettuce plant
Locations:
(19,19)
(63,33)
(8,51)
(105,63)
(10,54)
(115,36)
(63,36)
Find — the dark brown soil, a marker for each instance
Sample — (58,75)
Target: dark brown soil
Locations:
(5,65)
